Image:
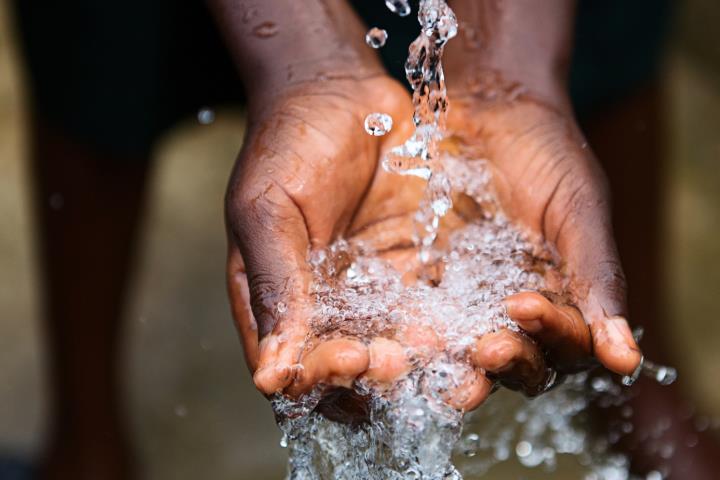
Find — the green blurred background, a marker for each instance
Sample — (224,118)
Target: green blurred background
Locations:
(194,411)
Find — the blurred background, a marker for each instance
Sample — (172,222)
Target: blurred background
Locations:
(190,400)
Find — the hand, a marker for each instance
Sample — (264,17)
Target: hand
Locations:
(308,173)
(548,181)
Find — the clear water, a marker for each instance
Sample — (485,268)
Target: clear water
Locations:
(376,37)
(378,124)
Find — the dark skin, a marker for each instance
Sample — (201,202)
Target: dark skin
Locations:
(278,206)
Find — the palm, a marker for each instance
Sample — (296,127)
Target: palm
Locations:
(307,175)
(548,180)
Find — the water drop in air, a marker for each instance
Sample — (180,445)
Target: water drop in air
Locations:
(401,7)
(378,124)
(376,37)
(206,116)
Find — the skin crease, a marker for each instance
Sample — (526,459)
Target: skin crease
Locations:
(307,174)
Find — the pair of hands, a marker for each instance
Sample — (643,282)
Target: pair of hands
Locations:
(308,174)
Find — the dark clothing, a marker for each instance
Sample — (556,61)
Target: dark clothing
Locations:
(116,74)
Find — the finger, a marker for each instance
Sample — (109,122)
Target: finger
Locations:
(584,239)
(269,232)
(388,362)
(513,359)
(560,329)
(239,294)
(336,363)
(471,393)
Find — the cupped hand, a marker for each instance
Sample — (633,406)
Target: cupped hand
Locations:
(548,180)
(308,174)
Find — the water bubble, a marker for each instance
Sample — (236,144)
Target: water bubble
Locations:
(206,116)
(523,449)
(281,307)
(401,7)
(376,37)
(265,30)
(378,124)
(601,384)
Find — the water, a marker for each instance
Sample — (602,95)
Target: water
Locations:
(206,116)
(419,155)
(435,305)
(378,124)
(376,37)
(401,7)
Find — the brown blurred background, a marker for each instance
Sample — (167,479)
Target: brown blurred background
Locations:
(194,411)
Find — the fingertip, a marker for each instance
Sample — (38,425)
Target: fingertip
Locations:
(388,361)
(495,351)
(472,393)
(615,346)
(272,378)
(528,309)
(336,362)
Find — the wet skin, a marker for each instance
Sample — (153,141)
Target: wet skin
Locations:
(308,174)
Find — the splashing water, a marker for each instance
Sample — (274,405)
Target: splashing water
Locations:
(376,37)
(378,124)
(401,7)
(435,305)
(419,155)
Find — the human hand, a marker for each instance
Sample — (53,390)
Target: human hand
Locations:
(548,181)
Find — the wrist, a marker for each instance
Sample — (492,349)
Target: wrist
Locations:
(524,43)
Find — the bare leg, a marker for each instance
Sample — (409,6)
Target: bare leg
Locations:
(628,138)
(88,206)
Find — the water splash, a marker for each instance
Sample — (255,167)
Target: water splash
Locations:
(400,7)
(420,154)
(378,124)
(376,37)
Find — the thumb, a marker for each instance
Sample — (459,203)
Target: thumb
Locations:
(269,237)
(586,242)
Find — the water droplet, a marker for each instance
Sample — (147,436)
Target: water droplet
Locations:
(376,37)
(265,30)
(654,475)
(57,201)
(181,411)
(523,449)
(600,384)
(206,116)
(401,7)
(378,124)
(284,441)
(281,307)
